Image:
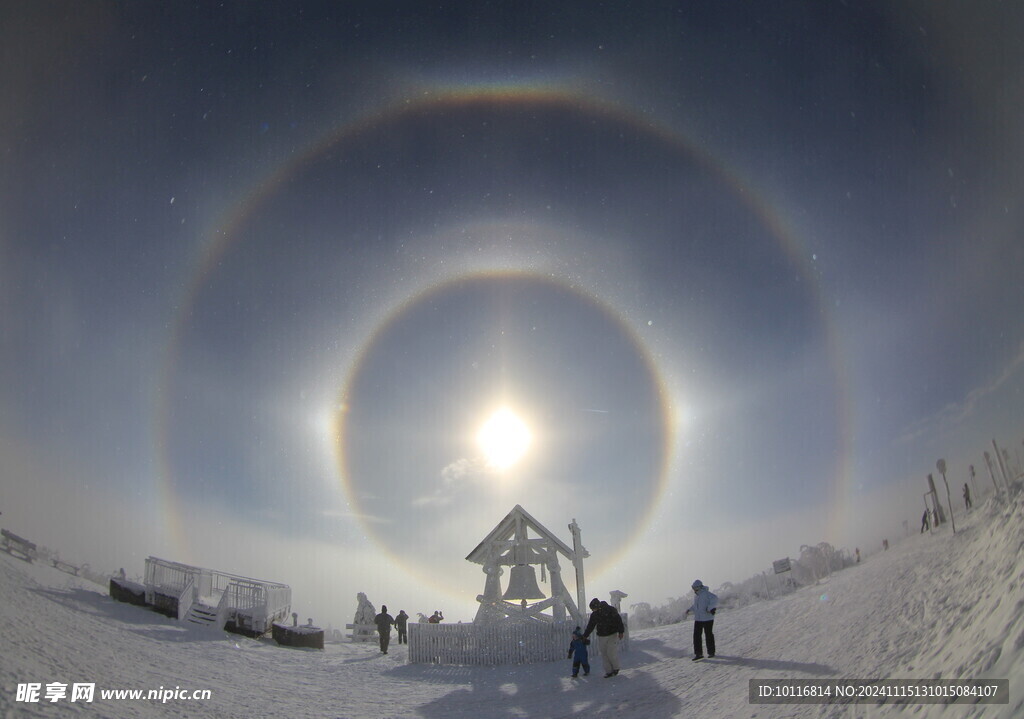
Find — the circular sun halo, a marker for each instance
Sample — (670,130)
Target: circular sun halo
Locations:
(504,439)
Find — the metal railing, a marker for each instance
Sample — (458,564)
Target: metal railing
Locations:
(223,609)
(186,598)
(245,594)
(168,578)
(264,602)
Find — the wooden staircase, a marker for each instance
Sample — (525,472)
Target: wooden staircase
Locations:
(202,615)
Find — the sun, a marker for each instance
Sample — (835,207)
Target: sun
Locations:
(504,439)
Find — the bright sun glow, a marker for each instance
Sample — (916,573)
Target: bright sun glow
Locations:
(504,439)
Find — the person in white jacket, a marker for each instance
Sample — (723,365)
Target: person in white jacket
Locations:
(704,605)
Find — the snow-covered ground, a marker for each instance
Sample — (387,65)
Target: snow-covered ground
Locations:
(943,606)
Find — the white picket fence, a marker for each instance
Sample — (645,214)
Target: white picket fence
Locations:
(489,645)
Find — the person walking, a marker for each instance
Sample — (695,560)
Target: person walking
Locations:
(967,496)
(606,621)
(925,526)
(578,654)
(704,606)
(384,622)
(401,624)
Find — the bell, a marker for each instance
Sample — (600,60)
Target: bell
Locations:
(522,583)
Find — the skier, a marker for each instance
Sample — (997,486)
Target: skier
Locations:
(578,654)
(610,630)
(384,622)
(704,606)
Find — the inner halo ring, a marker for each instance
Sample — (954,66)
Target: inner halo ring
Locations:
(665,416)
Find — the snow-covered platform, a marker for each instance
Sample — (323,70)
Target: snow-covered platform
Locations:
(211,598)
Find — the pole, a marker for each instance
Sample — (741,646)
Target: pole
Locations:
(941,466)
(1002,467)
(940,516)
(1011,472)
(988,463)
(578,553)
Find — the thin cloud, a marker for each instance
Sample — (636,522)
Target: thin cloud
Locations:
(956,413)
(454,478)
(459,471)
(433,500)
(349,514)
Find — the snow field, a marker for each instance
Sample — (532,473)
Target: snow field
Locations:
(933,606)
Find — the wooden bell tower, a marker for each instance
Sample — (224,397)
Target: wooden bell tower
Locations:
(521,543)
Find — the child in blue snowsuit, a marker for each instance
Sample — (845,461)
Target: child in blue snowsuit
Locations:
(578,653)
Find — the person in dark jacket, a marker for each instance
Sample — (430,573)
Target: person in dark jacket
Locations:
(384,622)
(606,621)
(401,624)
(578,654)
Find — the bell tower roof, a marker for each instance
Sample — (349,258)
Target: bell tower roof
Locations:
(505,531)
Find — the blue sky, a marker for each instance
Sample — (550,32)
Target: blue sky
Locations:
(744,272)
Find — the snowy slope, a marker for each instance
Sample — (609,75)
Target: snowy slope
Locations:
(946,606)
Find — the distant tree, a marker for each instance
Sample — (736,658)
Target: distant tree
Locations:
(641,615)
(815,562)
